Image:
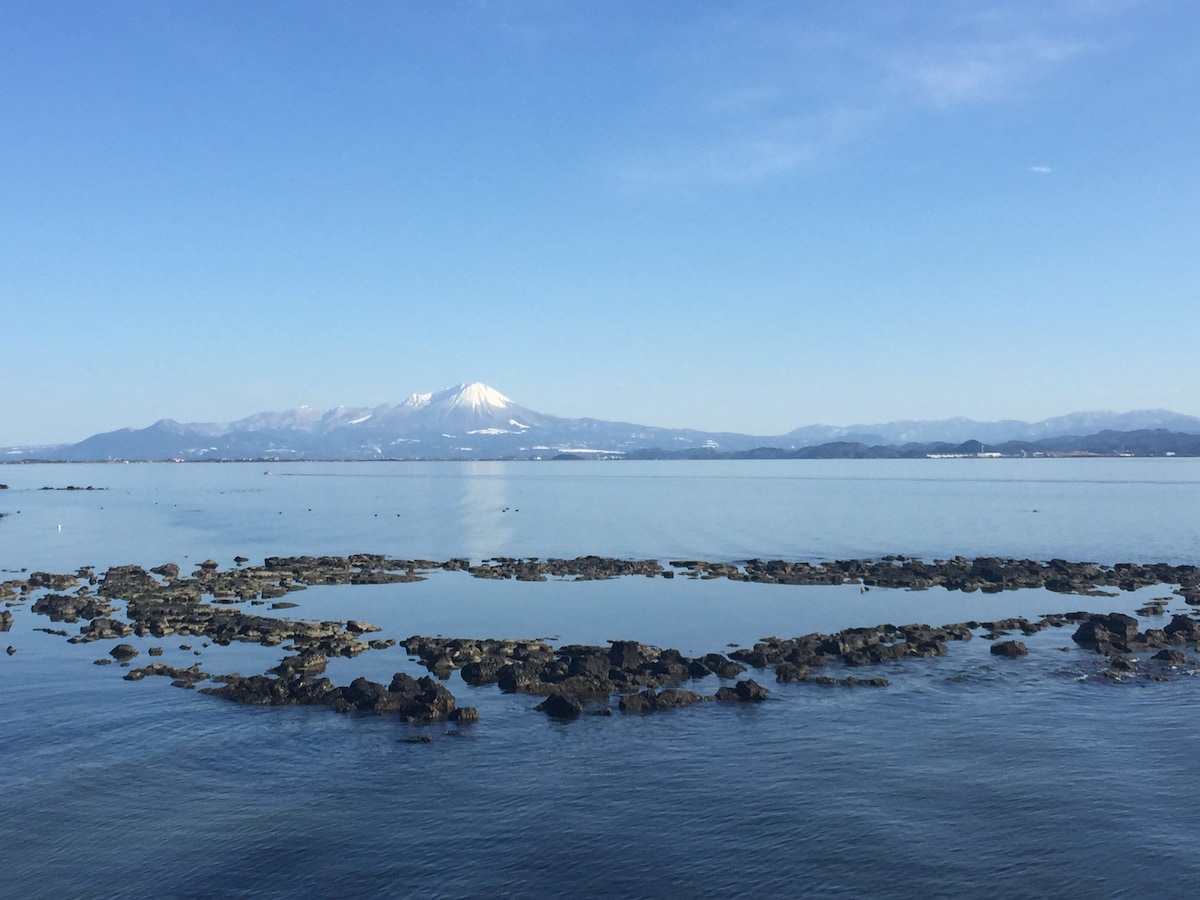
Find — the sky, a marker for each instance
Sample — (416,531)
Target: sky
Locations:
(725,216)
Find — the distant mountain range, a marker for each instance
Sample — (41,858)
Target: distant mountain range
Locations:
(474,421)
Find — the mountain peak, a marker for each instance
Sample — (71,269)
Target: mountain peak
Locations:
(476,397)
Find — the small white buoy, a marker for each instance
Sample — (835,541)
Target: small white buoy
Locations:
(60,528)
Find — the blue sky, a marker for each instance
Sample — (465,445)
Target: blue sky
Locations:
(745,217)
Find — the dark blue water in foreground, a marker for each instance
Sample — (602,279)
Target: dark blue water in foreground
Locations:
(968,776)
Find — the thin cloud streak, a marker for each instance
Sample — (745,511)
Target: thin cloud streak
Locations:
(980,72)
(745,133)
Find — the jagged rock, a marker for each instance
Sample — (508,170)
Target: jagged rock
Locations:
(1100,630)
(1183,628)
(422,699)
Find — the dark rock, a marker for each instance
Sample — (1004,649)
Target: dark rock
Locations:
(561,706)
(1171,657)
(464,715)
(420,700)
(1184,628)
(747,691)
(722,666)
(589,665)
(650,700)
(1100,630)
(123,652)
(785,672)
(851,681)
(517,677)
(627,654)
(1009,649)
(485,671)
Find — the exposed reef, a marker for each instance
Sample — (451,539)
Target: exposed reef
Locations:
(575,680)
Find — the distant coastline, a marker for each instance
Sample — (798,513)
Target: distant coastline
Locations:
(1159,443)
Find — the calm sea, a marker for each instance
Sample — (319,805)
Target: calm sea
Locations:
(968,776)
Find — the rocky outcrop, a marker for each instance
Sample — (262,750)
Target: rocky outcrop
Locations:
(1009,649)
(747,691)
(650,700)
(581,679)
(123,652)
(409,699)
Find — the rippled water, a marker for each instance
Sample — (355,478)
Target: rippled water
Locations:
(969,775)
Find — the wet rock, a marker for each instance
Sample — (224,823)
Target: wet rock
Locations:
(520,677)
(1171,657)
(1100,630)
(851,681)
(54,581)
(169,571)
(420,700)
(1009,649)
(464,715)
(1183,628)
(650,700)
(786,672)
(747,691)
(308,662)
(123,652)
(561,706)
(628,655)
(188,676)
(6,620)
(67,608)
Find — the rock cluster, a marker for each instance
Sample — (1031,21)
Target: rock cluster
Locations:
(574,680)
(573,676)
(411,700)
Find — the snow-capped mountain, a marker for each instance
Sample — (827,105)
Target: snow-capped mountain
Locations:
(473,421)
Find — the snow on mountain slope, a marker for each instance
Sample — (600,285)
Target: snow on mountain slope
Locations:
(473,420)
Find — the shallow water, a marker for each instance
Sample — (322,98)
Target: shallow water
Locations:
(968,775)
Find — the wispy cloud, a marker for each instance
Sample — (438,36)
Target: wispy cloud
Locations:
(765,148)
(977,72)
(775,101)
(1039,170)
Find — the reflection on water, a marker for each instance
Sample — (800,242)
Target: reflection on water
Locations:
(484,510)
